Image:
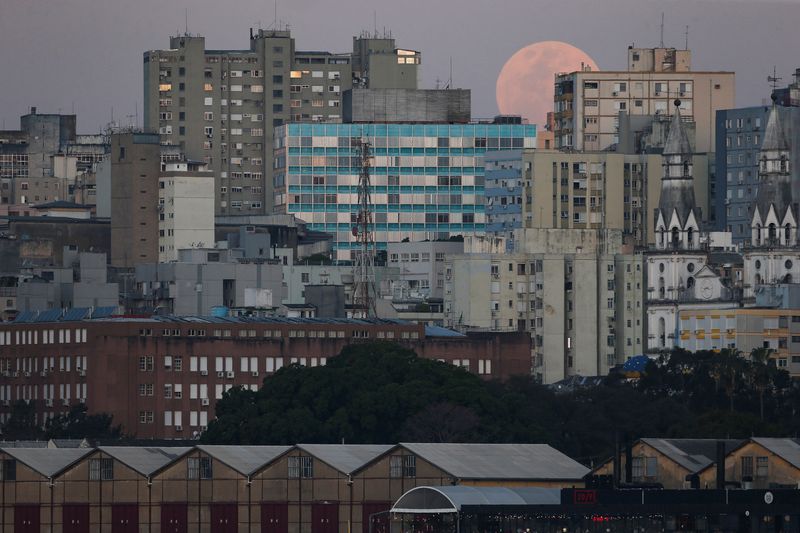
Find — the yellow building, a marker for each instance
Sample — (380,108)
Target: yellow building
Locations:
(668,462)
(760,463)
(744,329)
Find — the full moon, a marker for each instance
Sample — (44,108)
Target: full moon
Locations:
(525,84)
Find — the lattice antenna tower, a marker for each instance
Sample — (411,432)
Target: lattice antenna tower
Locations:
(364,264)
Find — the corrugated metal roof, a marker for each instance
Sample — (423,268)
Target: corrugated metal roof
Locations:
(346,458)
(451,498)
(692,454)
(48,461)
(786,449)
(144,460)
(245,459)
(499,461)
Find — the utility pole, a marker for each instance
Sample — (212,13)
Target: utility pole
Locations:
(364,265)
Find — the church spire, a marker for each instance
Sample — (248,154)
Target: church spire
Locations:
(677,217)
(774,218)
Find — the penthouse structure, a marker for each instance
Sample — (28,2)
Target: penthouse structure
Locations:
(160,377)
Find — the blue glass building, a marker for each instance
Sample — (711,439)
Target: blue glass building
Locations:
(738,144)
(427,180)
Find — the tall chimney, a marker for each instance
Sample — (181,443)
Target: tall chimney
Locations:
(617,458)
(720,464)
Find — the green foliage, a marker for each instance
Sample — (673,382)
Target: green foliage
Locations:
(75,424)
(383,393)
(78,424)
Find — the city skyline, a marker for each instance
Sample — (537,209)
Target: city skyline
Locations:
(90,76)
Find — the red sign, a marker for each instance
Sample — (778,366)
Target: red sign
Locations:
(584,497)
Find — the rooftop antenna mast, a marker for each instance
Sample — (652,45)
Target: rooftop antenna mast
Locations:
(774,79)
(364,264)
(662,30)
(686,41)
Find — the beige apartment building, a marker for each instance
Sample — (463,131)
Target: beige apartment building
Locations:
(221,106)
(578,292)
(186,208)
(593,190)
(588,104)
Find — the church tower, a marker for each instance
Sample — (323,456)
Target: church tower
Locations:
(677,219)
(775,215)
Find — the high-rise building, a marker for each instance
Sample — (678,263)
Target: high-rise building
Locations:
(135,169)
(588,103)
(578,293)
(427,179)
(740,133)
(27,173)
(584,190)
(221,106)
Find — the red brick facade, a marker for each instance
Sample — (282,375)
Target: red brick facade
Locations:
(160,378)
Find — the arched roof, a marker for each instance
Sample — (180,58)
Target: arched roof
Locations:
(451,498)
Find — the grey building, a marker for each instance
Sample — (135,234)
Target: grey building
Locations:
(421,268)
(221,106)
(80,282)
(26,158)
(202,279)
(738,144)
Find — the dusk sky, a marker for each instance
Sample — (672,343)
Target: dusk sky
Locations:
(86,55)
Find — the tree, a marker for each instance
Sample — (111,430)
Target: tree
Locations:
(78,424)
(21,424)
(761,374)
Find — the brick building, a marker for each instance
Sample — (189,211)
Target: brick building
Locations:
(159,377)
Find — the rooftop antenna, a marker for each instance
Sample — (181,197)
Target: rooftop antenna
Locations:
(662,30)
(686,41)
(774,79)
(186,21)
(375,23)
(364,265)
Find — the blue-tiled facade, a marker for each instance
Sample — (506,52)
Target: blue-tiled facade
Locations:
(427,180)
(503,191)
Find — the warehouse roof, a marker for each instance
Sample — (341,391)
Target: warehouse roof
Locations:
(144,459)
(49,462)
(499,461)
(346,458)
(245,459)
(692,454)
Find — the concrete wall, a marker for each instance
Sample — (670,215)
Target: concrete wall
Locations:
(407,105)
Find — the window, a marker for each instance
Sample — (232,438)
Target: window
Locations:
(199,468)
(637,467)
(301,467)
(747,466)
(101,469)
(8,470)
(762,466)
(403,466)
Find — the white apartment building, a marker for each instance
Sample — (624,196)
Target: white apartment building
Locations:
(186,208)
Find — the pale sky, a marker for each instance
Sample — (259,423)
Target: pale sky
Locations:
(86,55)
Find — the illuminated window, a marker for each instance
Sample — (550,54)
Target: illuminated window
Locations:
(208,87)
(164,87)
(296,74)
